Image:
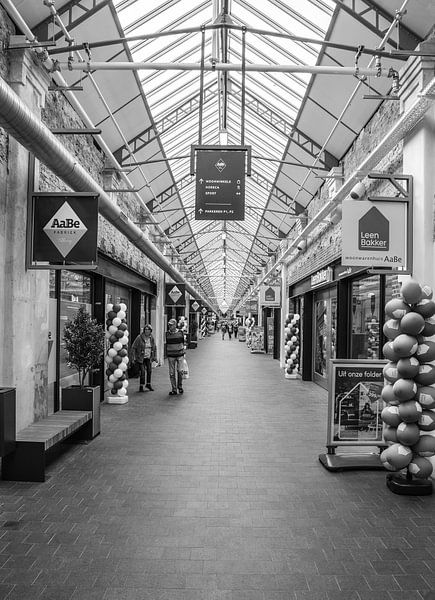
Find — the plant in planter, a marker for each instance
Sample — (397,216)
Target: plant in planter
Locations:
(84,345)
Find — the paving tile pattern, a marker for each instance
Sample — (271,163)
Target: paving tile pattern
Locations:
(214,495)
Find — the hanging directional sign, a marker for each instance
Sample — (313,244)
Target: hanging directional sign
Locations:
(175,294)
(220,185)
(64,230)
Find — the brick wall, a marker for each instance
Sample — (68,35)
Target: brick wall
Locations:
(324,242)
(58,113)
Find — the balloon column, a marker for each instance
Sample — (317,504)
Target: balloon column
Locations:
(117,355)
(203,326)
(409,389)
(292,345)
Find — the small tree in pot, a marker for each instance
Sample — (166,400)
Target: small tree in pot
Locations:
(84,345)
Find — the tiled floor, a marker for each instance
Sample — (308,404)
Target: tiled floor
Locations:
(214,495)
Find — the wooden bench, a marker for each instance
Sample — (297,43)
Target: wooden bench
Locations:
(27,462)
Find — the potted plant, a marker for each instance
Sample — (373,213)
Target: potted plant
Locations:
(84,345)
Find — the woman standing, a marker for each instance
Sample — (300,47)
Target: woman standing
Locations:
(144,352)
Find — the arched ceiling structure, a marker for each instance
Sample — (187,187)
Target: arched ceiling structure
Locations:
(264,83)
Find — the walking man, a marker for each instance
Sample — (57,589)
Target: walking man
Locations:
(175,352)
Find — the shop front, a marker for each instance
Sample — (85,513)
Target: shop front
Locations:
(342,312)
(110,282)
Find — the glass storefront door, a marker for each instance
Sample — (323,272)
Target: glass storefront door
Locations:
(325,327)
(366,308)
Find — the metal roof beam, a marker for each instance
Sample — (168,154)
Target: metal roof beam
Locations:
(69,12)
(370,15)
(288,129)
(277,193)
(172,118)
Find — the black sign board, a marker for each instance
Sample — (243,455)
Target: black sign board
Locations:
(355,403)
(64,230)
(220,185)
(175,294)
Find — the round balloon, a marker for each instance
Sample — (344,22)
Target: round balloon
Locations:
(111,315)
(388,352)
(109,307)
(383,456)
(429,327)
(426,420)
(407,367)
(425,308)
(117,345)
(411,291)
(426,292)
(425,446)
(390,434)
(425,351)
(426,396)
(388,395)
(391,328)
(116,308)
(404,389)
(112,352)
(408,433)
(412,323)
(120,314)
(390,416)
(116,322)
(426,374)
(405,345)
(123,306)
(396,308)
(122,392)
(112,329)
(398,456)
(410,411)
(420,467)
(390,372)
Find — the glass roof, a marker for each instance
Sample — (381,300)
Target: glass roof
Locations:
(223,254)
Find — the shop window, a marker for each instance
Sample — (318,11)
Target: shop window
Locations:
(365,318)
(75,290)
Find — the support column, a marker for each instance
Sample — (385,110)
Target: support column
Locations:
(25,300)
(418,161)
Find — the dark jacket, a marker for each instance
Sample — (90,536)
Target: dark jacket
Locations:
(175,343)
(137,351)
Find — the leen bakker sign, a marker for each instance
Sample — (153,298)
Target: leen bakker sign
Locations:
(374,235)
(374,231)
(64,229)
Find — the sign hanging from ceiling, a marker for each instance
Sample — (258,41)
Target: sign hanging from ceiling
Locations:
(374,234)
(220,183)
(175,294)
(64,230)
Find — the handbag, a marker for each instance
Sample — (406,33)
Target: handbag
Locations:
(133,369)
(184,369)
